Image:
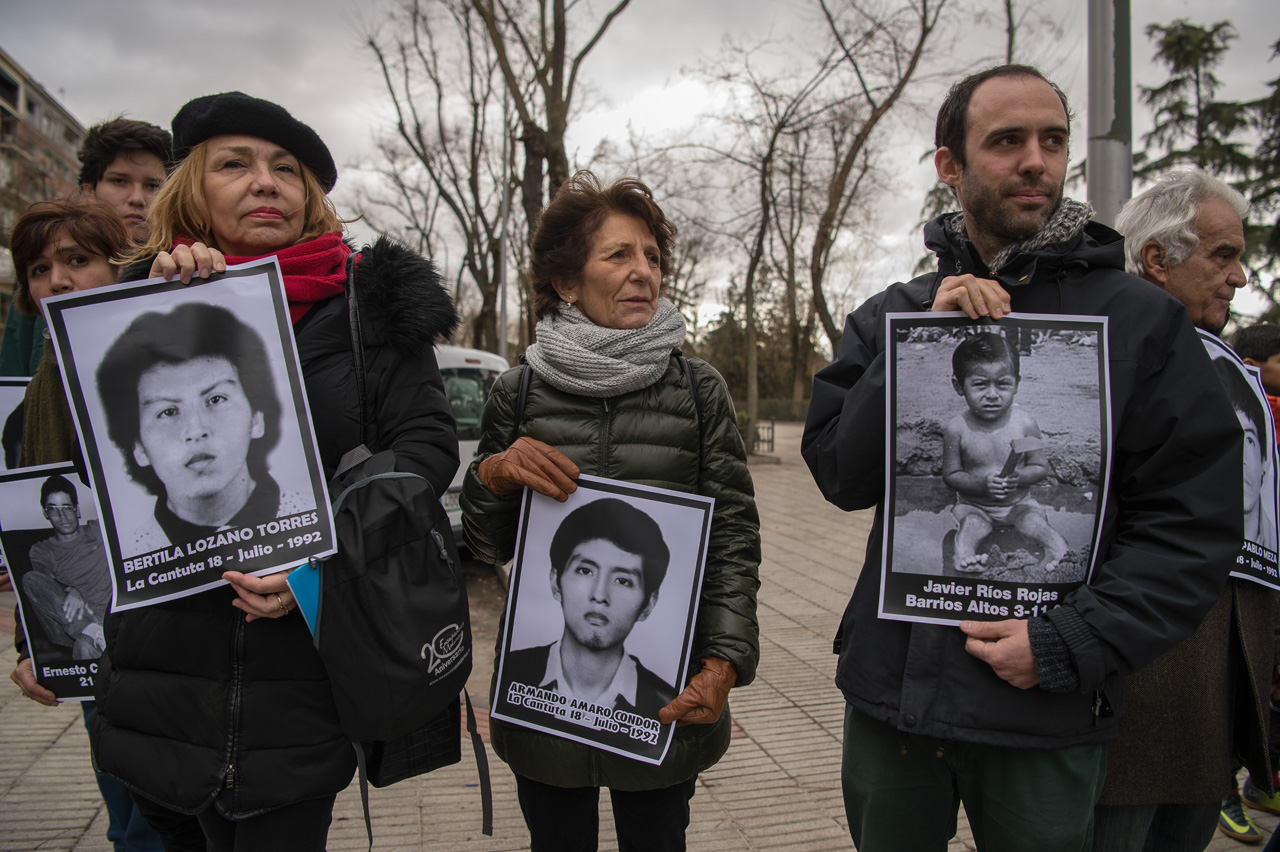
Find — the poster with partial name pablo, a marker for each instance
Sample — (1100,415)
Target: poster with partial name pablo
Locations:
(998,454)
(603,597)
(196,430)
(53,545)
(1243,384)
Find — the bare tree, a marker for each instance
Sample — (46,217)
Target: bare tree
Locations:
(531,46)
(440,72)
(883,51)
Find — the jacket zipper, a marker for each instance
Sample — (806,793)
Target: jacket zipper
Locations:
(234,721)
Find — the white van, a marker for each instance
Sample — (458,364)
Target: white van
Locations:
(468,374)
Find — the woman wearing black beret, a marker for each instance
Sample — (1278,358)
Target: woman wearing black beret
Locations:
(217,706)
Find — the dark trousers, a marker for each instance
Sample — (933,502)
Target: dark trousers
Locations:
(903,791)
(127,829)
(564,819)
(300,827)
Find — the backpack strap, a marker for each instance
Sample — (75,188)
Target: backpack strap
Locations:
(357,346)
(697,406)
(526,375)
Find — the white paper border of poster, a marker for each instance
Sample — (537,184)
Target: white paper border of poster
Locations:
(83,325)
(919,583)
(1257,561)
(21,516)
(685,520)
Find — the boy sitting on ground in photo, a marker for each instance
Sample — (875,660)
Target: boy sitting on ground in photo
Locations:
(979,460)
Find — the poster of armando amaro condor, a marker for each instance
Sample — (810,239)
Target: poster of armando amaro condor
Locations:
(604,593)
(190,408)
(998,440)
(52,543)
(1243,384)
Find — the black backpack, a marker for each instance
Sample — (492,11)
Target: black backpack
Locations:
(393,625)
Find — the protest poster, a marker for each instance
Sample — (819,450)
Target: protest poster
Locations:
(603,596)
(196,430)
(12,393)
(998,441)
(1243,384)
(52,543)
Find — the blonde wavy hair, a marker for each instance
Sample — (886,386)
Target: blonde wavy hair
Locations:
(181,208)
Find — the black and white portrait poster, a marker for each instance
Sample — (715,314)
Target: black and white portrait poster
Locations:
(603,596)
(1243,384)
(998,451)
(12,392)
(196,429)
(53,545)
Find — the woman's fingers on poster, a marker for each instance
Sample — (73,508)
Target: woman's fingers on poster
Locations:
(532,463)
(1006,647)
(977,297)
(25,677)
(703,699)
(261,597)
(196,260)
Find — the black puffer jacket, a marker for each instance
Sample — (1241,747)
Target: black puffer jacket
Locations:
(653,436)
(194,705)
(1171,521)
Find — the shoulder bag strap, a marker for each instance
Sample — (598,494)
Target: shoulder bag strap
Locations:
(361,452)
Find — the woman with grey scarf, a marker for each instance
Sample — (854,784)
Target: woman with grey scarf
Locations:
(610,395)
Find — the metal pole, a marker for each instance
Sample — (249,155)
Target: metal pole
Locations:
(1110,151)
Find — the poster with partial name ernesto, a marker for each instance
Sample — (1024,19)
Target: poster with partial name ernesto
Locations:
(998,454)
(195,426)
(603,596)
(52,543)
(1243,384)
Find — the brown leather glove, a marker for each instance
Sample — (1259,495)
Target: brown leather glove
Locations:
(703,699)
(529,462)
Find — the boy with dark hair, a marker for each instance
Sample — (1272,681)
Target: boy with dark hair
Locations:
(977,447)
(123,162)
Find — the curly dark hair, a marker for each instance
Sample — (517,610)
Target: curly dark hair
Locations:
(189,331)
(567,225)
(104,142)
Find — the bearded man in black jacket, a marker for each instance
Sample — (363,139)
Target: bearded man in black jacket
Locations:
(1011,717)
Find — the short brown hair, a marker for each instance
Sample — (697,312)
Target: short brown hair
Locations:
(567,225)
(180,207)
(106,141)
(953,115)
(91,224)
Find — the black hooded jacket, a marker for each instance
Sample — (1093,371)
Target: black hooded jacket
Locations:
(198,707)
(1171,521)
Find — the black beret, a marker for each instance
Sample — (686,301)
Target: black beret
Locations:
(238,113)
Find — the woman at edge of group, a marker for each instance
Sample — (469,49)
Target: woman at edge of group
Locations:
(217,706)
(606,356)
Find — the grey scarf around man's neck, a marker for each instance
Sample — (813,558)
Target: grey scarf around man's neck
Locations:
(1064,225)
(575,355)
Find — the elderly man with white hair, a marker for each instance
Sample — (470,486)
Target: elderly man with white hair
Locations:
(1202,706)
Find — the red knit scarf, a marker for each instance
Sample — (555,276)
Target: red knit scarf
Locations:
(313,271)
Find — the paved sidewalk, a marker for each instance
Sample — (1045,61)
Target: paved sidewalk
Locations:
(777,788)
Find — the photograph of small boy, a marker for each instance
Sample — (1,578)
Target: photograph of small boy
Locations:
(996,448)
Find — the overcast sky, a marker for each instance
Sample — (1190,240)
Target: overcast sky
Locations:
(145,58)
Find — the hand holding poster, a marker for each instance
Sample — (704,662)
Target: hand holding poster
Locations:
(52,543)
(998,447)
(604,590)
(189,404)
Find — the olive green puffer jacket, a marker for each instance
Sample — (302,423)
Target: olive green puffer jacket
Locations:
(654,436)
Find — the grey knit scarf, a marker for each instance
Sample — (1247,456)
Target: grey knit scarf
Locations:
(575,355)
(1065,223)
